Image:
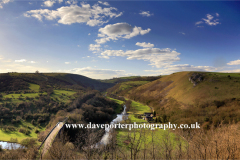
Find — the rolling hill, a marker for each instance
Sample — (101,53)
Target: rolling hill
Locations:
(16,81)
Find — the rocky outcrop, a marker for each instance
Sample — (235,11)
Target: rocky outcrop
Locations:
(196,78)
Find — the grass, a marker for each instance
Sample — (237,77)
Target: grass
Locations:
(6,136)
(116,100)
(215,86)
(34,87)
(159,135)
(117,79)
(57,93)
(138,108)
(120,108)
(62,95)
(133,119)
(130,84)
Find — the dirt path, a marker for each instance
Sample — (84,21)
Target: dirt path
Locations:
(50,138)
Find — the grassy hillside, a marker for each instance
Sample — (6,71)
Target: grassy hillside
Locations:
(19,81)
(29,101)
(215,86)
(209,98)
(131,78)
(126,84)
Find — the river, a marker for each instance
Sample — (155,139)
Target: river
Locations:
(106,137)
(8,145)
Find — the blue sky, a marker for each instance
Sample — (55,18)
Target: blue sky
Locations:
(105,39)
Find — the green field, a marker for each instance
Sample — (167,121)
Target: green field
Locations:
(120,107)
(138,108)
(130,84)
(6,136)
(58,95)
(116,100)
(114,80)
(34,87)
(137,120)
(158,135)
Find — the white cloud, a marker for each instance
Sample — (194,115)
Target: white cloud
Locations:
(78,45)
(21,60)
(3,2)
(182,33)
(236,62)
(92,16)
(89,34)
(119,30)
(20,67)
(104,3)
(72,2)
(145,45)
(199,22)
(231,71)
(67,62)
(157,57)
(95,48)
(48,3)
(209,20)
(97,73)
(145,13)
(182,67)
(32,62)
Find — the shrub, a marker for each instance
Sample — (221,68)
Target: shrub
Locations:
(11,128)
(24,131)
(14,140)
(33,122)
(28,142)
(36,131)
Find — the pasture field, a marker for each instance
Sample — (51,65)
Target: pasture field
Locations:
(7,135)
(159,135)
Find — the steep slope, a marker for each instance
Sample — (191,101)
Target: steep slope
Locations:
(192,96)
(213,86)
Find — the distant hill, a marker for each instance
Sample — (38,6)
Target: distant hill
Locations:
(19,81)
(131,78)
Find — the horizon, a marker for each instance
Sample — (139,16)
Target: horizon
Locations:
(107,39)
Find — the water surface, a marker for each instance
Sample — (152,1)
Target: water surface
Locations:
(8,145)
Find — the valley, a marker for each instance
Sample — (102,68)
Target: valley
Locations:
(32,104)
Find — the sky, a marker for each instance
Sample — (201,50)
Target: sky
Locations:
(106,39)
